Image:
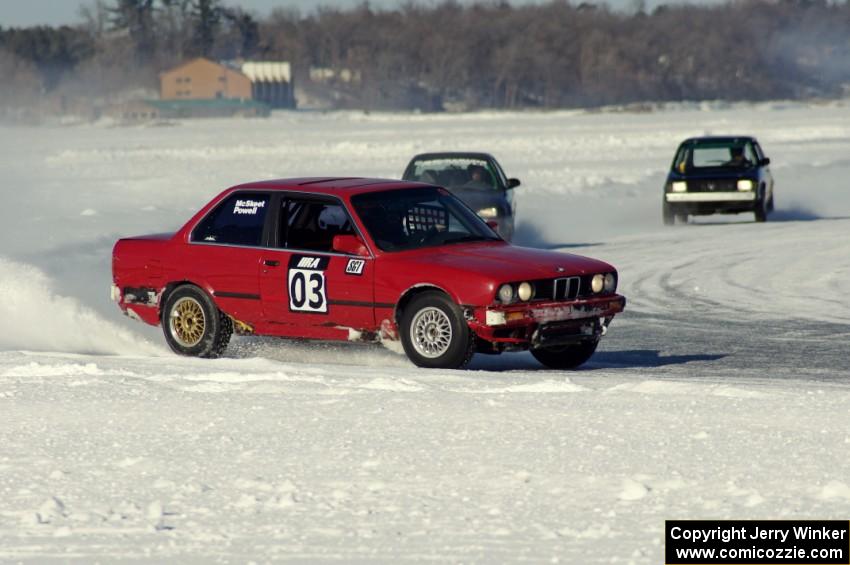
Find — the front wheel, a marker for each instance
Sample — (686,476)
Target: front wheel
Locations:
(566,356)
(193,325)
(667,214)
(761,211)
(434,333)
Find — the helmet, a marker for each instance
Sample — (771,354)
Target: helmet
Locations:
(332,216)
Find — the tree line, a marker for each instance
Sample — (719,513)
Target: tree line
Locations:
(474,55)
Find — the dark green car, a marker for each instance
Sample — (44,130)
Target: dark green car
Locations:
(475,178)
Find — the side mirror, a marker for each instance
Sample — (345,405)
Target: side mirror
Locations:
(765,161)
(350,245)
(513,183)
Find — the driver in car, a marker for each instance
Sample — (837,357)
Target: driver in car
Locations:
(478,177)
(737,159)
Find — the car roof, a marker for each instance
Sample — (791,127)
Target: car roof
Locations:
(719,139)
(454,155)
(331,185)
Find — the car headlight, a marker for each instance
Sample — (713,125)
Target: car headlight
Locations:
(610,282)
(597,283)
(490,212)
(680,186)
(745,184)
(525,291)
(506,294)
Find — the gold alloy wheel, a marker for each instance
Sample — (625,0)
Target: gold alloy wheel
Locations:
(187,322)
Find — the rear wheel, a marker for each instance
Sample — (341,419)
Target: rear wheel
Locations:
(682,218)
(193,325)
(566,356)
(434,333)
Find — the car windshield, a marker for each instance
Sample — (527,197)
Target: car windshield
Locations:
(454,172)
(411,218)
(720,154)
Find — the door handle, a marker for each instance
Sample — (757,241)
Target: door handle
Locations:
(271,263)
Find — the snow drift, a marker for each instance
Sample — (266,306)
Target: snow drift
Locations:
(36,318)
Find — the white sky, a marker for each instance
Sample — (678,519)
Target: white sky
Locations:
(56,12)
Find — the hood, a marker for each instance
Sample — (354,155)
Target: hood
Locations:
(506,263)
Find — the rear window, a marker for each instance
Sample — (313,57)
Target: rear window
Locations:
(239,220)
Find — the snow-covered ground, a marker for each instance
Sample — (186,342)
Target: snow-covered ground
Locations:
(723,391)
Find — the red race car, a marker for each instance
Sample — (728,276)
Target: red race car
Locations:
(365,260)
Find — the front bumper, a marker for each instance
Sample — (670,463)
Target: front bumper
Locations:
(535,324)
(747,196)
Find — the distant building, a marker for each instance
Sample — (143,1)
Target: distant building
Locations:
(271,82)
(132,111)
(267,82)
(215,108)
(202,79)
(326,75)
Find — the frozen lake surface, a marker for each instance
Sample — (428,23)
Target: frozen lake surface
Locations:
(723,391)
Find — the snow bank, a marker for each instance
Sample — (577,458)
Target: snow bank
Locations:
(38,319)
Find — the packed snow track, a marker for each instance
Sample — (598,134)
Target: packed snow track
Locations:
(723,391)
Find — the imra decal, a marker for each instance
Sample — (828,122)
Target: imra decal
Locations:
(248,207)
(355,267)
(307,285)
(308,263)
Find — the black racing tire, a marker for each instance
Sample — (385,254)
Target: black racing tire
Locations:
(434,333)
(761,211)
(667,214)
(193,325)
(763,207)
(566,356)
(770,204)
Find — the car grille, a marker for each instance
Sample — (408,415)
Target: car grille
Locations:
(562,288)
(724,185)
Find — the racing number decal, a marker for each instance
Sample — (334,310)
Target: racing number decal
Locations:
(307,287)
(355,267)
(307,291)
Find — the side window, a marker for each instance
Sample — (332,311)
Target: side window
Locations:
(312,224)
(759,152)
(237,221)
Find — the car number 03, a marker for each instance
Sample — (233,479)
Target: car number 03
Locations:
(307,291)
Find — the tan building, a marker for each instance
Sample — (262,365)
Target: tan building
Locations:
(202,79)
